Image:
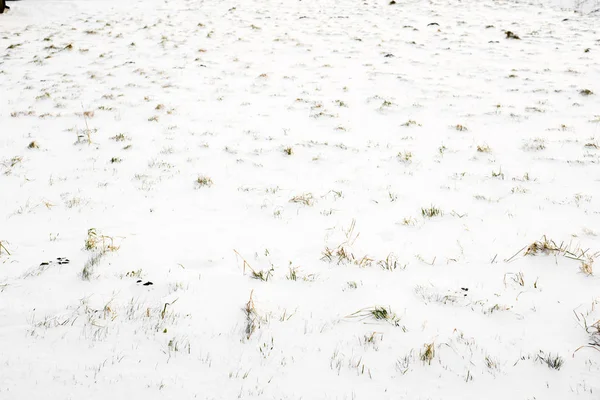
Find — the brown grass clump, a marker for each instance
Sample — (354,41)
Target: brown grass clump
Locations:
(544,246)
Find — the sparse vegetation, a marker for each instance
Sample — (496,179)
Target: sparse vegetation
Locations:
(545,246)
(537,144)
(553,362)
(518,278)
(203,181)
(431,211)
(343,256)
(306,199)
(491,363)
(99,245)
(519,189)
(587,265)
(498,174)
(120,137)
(405,157)
(377,313)
(263,275)
(430,294)
(484,149)
(424,285)
(91,264)
(99,242)
(428,353)
(293,275)
(390,263)
(409,221)
(252,318)
(87,132)
(410,122)
(592,329)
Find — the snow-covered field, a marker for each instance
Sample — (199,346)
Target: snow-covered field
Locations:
(329,199)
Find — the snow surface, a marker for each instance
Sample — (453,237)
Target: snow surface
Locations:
(298,139)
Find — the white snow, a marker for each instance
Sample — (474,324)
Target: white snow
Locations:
(189,143)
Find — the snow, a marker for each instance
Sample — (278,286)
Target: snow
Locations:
(192,143)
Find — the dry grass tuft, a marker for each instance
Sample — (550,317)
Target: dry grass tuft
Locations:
(484,149)
(428,353)
(101,243)
(587,266)
(204,181)
(431,212)
(306,199)
(544,246)
(547,246)
(377,313)
(251,316)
